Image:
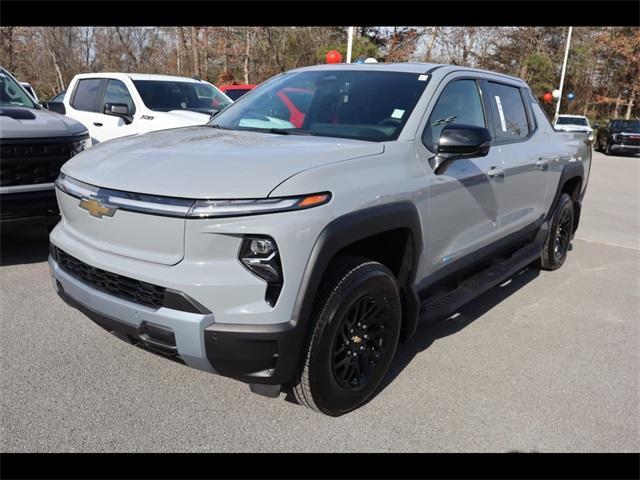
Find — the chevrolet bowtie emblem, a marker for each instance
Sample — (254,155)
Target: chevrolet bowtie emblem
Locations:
(97,209)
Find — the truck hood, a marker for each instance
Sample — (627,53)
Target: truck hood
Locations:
(204,162)
(36,123)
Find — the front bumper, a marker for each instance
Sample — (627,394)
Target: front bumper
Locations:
(625,148)
(266,354)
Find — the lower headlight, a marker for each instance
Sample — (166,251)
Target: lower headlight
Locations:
(259,254)
(80,145)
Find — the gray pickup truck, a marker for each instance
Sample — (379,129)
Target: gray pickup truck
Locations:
(295,248)
(34,144)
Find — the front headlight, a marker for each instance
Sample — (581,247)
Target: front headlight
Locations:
(236,208)
(80,145)
(260,255)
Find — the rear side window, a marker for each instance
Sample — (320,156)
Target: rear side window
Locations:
(459,102)
(509,114)
(87,95)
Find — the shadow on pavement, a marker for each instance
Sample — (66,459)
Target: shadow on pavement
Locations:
(24,245)
(428,332)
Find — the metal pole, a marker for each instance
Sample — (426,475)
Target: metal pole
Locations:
(349,44)
(564,68)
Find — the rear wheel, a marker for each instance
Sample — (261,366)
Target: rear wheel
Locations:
(356,326)
(556,246)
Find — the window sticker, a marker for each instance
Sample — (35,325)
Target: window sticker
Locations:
(502,122)
(423,78)
(397,113)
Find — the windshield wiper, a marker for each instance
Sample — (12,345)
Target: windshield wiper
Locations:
(280,131)
(444,120)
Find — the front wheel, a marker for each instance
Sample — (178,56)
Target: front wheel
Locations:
(556,246)
(356,326)
(607,150)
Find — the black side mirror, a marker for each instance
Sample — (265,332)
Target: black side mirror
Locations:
(57,107)
(460,141)
(116,109)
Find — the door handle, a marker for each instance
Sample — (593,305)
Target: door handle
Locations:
(495,172)
(542,163)
(97,124)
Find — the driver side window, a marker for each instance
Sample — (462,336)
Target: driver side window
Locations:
(117,92)
(459,102)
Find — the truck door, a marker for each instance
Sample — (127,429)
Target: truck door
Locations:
(521,200)
(87,102)
(113,126)
(462,208)
(82,103)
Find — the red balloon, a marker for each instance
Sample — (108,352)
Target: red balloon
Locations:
(548,97)
(333,56)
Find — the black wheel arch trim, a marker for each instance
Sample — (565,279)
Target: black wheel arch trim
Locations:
(569,171)
(357,226)
(271,354)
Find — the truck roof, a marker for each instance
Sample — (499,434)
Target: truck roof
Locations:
(409,67)
(140,76)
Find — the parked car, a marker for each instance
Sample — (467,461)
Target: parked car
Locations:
(297,258)
(30,91)
(234,92)
(573,123)
(34,143)
(619,136)
(115,105)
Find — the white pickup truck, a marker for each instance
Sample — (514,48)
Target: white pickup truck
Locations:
(113,105)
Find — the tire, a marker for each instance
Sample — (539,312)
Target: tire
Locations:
(333,378)
(556,246)
(607,150)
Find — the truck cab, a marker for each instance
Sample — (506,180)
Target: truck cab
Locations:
(113,105)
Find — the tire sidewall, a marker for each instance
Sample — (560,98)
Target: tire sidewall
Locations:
(327,393)
(564,203)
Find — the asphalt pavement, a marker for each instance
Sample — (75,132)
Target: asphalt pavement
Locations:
(547,362)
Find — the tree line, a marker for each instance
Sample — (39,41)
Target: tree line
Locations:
(602,71)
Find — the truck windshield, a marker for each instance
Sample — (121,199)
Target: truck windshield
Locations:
(572,121)
(164,96)
(12,94)
(359,104)
(626,126)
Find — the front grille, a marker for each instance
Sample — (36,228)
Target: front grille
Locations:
(112,283)
(28,163)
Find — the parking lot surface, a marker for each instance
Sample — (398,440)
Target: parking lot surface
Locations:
(550,361)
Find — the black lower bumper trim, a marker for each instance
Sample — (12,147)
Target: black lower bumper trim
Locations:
(255,354)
